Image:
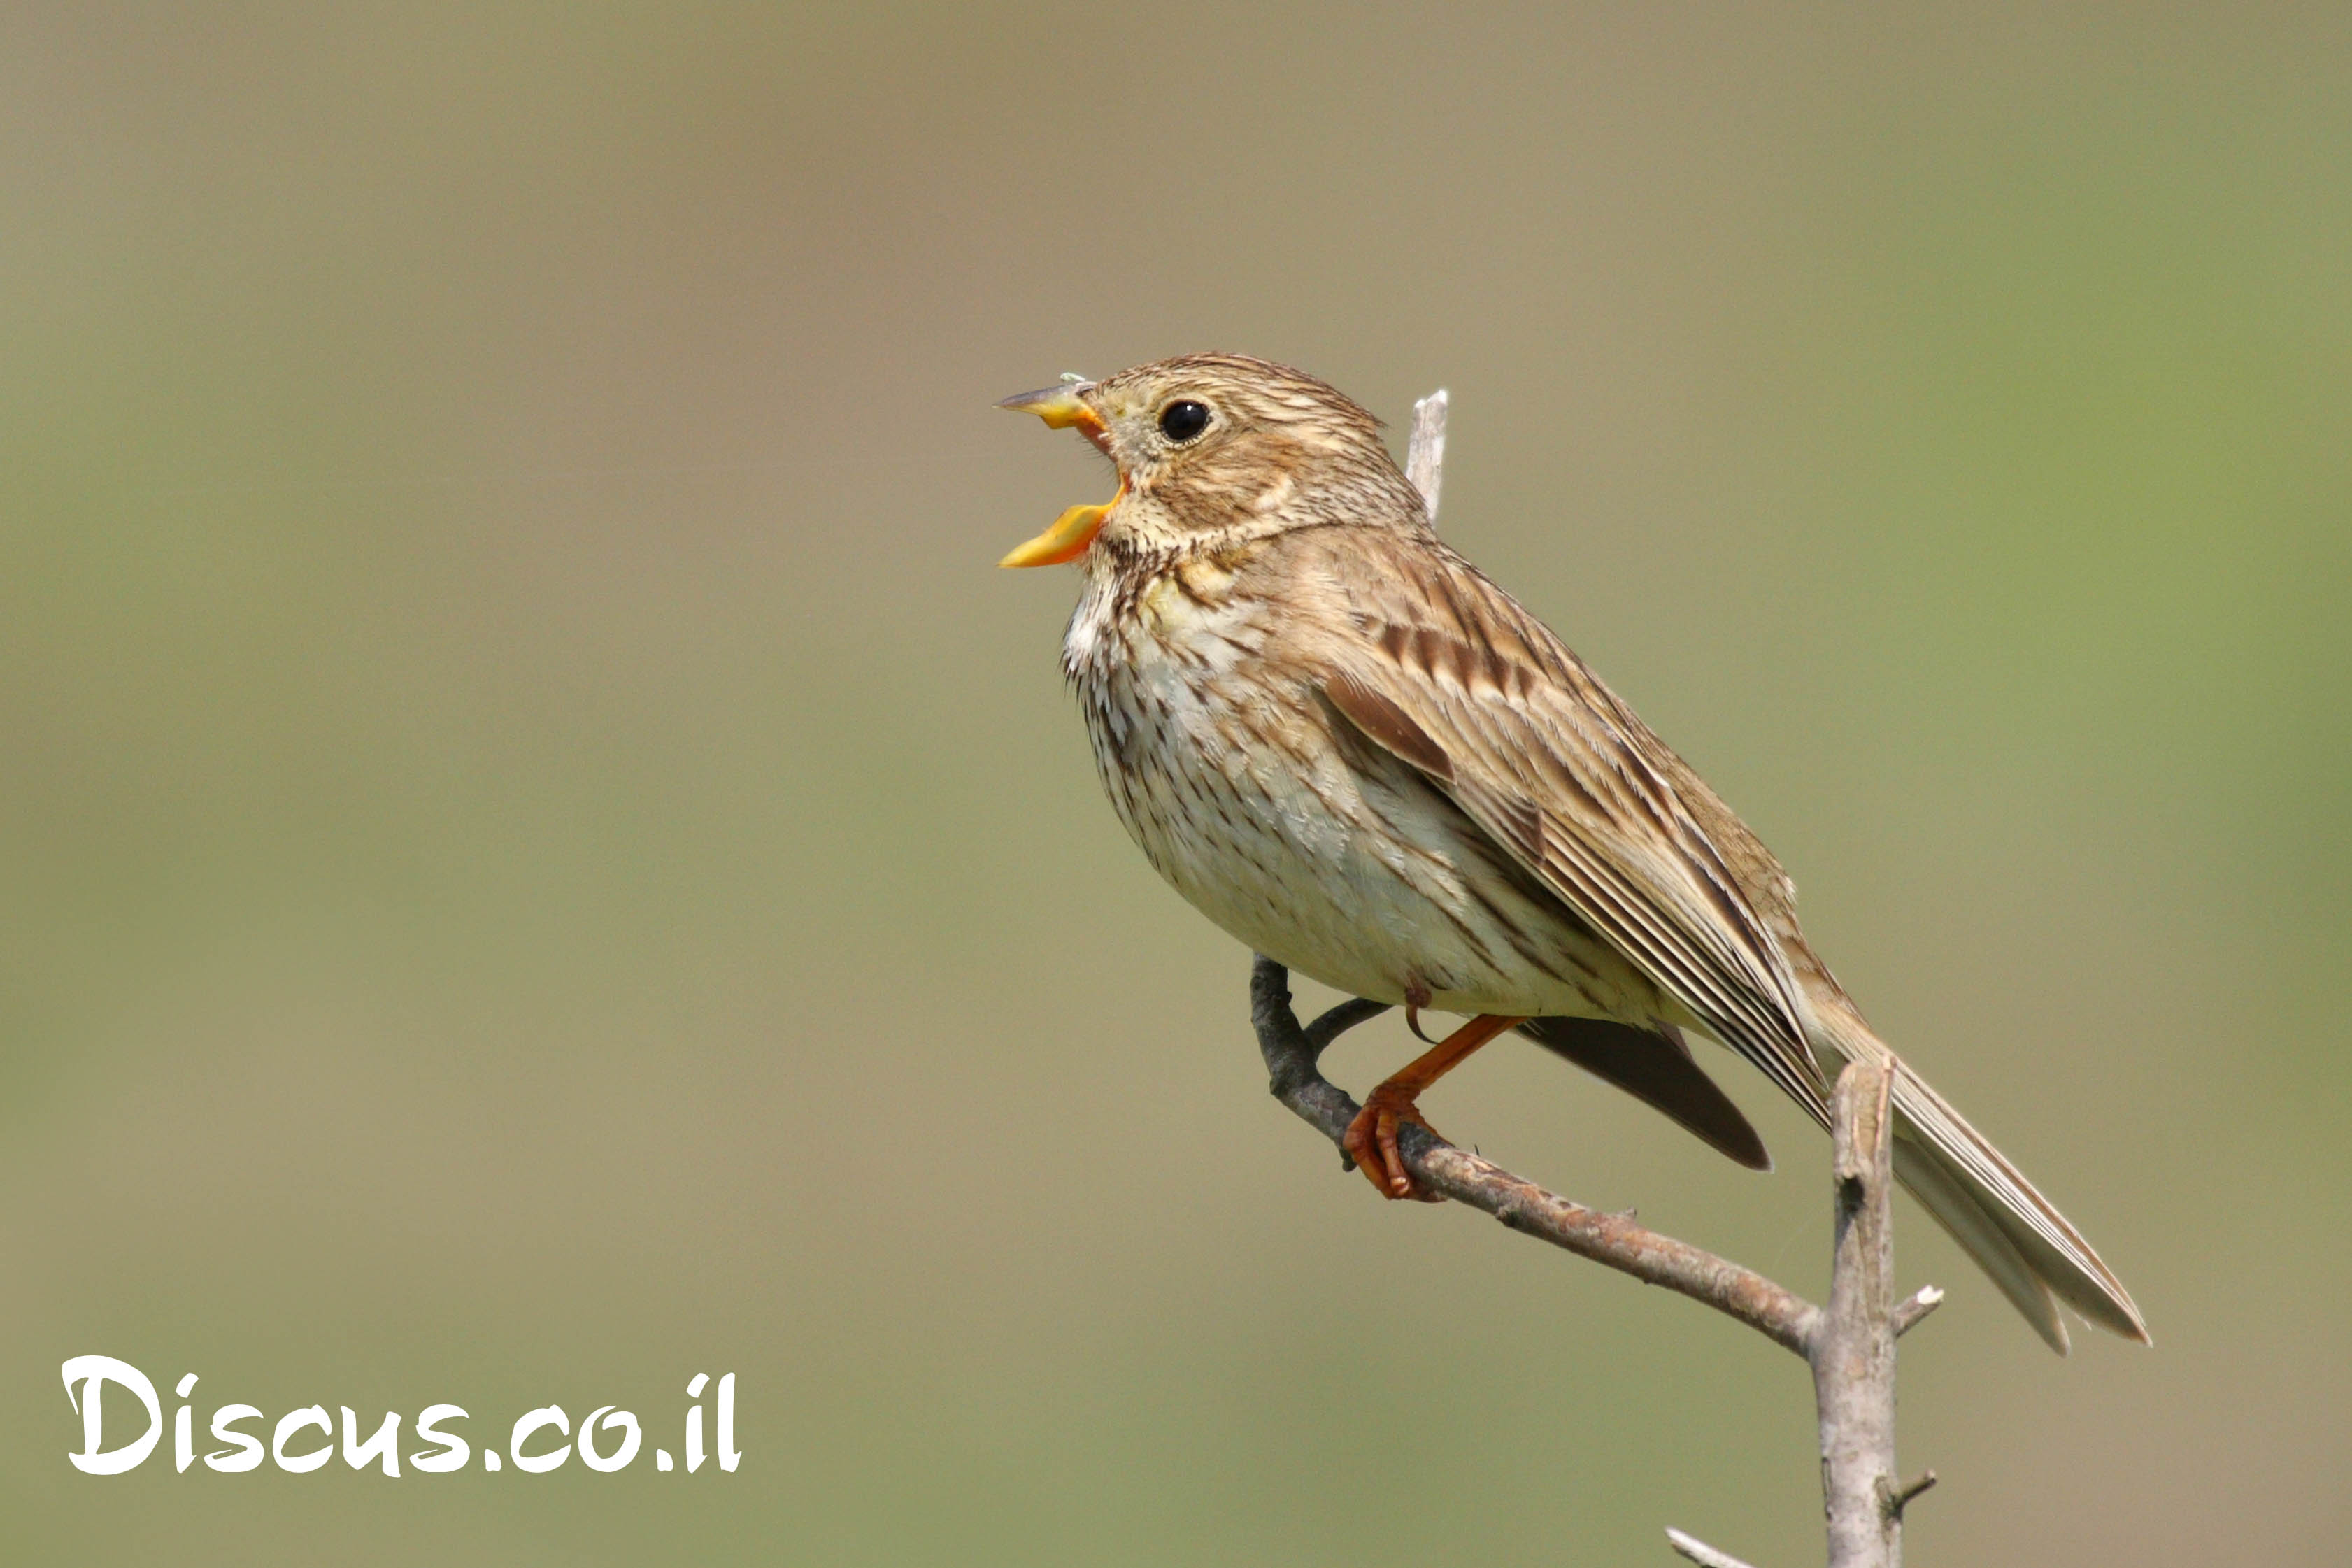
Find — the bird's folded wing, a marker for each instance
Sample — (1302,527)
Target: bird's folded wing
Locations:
(1655,1067)
(1485,701)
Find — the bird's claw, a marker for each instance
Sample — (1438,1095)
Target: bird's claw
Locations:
(1371,1142)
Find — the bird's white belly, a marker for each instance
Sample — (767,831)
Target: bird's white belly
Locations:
(1347,867)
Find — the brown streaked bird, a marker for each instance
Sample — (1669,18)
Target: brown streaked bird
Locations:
(1351,751)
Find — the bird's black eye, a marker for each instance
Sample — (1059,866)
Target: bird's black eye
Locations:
(1183,419)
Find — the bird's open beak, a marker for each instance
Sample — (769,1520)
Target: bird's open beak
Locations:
(1062,408)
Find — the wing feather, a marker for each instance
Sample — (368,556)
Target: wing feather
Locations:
(1495,711)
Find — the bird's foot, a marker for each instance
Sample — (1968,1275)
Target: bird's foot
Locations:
(1371,1142)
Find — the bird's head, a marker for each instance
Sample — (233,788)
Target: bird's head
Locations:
(1213,449)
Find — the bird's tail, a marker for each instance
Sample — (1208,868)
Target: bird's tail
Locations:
(2016,1236)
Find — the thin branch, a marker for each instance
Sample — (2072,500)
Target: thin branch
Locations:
(1615,1239)
(1425,458)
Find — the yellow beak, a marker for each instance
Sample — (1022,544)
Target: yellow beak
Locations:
(1065,541)
(1062,409)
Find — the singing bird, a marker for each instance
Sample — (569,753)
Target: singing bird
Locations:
(1347,747)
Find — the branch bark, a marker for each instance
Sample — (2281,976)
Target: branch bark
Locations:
(1854,1355)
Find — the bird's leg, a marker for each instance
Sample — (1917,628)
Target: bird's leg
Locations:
(1371,1139)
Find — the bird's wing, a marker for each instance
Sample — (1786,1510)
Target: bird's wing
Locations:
(1447,672)
(1655,1067)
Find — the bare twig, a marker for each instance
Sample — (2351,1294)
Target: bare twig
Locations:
(1613,1239)
(1424,459)
(1907,1490)
(1916,1307)
(1700,1552)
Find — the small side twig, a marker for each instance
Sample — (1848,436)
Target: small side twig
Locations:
(1899,1498)
(1915,1307)
(1700,1552)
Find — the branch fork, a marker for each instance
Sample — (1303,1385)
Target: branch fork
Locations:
(1849,1344)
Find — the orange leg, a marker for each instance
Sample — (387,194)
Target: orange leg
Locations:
(1372,1138)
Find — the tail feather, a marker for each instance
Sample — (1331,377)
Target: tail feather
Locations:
(1983,1181)
(1967,1222)
(2014,1234)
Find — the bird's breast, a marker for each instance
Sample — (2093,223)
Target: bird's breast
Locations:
(1295,836)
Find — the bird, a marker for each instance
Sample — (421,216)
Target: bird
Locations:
(1343,744)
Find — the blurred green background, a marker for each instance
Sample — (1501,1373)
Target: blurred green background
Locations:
(540,858)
